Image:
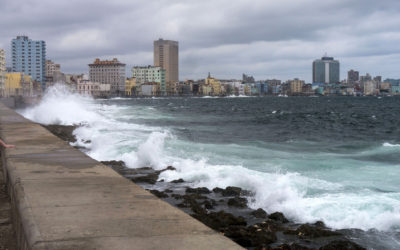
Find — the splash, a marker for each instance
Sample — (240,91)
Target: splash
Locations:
(61,106)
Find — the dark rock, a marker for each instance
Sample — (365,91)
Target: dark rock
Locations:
(231,191)
(278,216)
(168,190)
(259,213)
(116,164)
(150,178)
(62,131)
(220,220)
(177,196)
(310,231)
(200,190)
(342,244)
(237,202)
(217,190)
(319,224)
(168,168)
(159,194)
(178,181)
(250,236)
(293,246)
(208,204)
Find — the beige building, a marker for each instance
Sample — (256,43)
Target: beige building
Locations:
(296,86)
(109,72)
(52,67)
(2,72)
(369,87)
(95,89)
(166,56)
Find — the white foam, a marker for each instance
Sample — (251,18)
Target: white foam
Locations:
(386,144)
(60,106)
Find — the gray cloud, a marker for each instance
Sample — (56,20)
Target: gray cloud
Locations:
(264,38)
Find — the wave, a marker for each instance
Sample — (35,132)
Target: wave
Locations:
(386,144)
(108,134)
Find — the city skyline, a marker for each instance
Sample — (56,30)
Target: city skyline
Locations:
(266,40)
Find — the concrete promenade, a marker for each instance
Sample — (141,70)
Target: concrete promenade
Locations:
(62,199)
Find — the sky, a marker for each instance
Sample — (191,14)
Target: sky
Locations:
(264,38)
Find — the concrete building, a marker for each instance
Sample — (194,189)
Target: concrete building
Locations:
(53,73)
(369,88)
(109,72)
(29,57)
(353,76)
(52,67)
(3,71)
(166,56)
(94,89)
(18,84)
(296,86)
(326,70)
(145,74)
(149,89)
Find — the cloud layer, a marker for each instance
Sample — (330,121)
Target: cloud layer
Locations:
(268,39)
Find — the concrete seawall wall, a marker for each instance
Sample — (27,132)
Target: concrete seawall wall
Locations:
(62,199)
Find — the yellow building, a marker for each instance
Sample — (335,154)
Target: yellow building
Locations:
(214,84)
(18,84)
(130,86)
(296,86)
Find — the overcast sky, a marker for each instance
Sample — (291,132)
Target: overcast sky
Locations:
(264,38)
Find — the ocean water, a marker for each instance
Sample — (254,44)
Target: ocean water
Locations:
(335,159)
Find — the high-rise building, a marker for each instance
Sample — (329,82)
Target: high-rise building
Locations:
(2,71)
(326,70)
(150,74)
(353,76)
(166,56)
(29,57)
(109,72)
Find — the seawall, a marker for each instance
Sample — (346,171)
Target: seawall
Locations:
(63,199)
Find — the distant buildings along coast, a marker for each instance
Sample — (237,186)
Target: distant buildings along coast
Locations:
(31,73)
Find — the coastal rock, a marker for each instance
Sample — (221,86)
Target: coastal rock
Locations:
(312,231)
(217,190)
(293,246)
(251,236)
(220,220)
(150,178)
(342,244)
(64,132)
(158,193)
(178,181)
(237,202)
(259,213)
(200,190)
(231,191)
(278,216)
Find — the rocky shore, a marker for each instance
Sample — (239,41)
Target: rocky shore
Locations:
(226,210)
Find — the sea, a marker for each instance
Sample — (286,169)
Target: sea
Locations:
(335,159)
